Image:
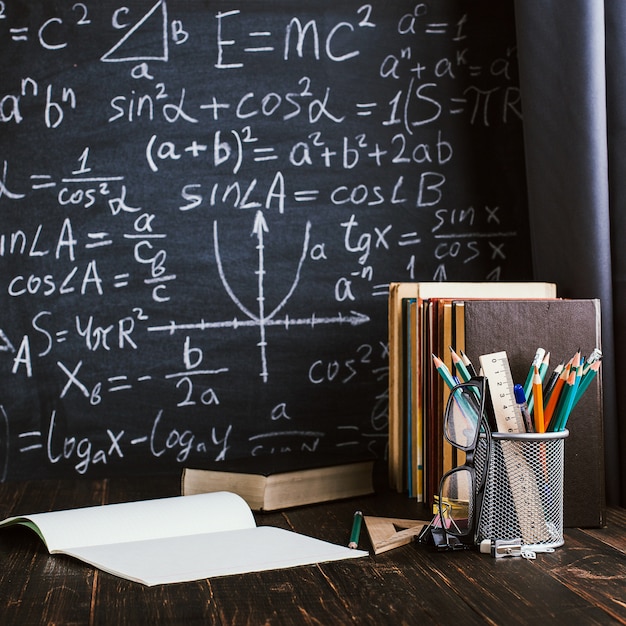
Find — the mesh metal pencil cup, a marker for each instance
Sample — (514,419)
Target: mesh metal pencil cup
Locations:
(524,489)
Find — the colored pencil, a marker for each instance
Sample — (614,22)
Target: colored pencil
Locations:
(573,383)
(542,368)
(539,354)
(461,370)
(549,386)
(550,408)
(444,372)
(538,402)
(470,367)
(588,376)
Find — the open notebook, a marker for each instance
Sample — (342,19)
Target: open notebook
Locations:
(177,539)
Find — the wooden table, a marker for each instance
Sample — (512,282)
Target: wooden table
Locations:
(584,582)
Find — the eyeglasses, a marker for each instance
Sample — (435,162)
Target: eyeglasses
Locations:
(466,428)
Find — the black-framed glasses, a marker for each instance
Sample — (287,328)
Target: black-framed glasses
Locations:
(461,490)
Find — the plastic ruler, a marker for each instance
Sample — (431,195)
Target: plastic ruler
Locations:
(496,369)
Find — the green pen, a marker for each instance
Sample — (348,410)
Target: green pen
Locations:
(356,530)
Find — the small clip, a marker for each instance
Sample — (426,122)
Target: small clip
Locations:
(500,548)
(531,553)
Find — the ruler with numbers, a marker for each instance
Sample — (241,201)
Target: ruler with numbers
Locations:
(522,481)
(508,415)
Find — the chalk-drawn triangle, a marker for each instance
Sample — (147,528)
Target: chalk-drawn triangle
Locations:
(5,343)
(148,35)
(385,534)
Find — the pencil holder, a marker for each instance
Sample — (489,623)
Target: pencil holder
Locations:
(524,489)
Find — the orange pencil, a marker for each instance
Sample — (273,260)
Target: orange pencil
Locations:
(554,396)
(566,387)
(540,426)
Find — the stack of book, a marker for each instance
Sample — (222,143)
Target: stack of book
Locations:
(473,319)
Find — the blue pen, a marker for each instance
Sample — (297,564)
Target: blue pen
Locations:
(520,398)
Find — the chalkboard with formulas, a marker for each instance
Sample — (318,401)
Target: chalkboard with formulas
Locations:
(202,205)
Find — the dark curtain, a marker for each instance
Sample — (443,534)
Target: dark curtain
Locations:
(572,59)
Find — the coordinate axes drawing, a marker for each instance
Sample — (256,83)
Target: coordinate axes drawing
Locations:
(260,318)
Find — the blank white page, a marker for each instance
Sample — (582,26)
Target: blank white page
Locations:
(187,558)
(136,521)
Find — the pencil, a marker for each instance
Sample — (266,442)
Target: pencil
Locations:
(444,372)
(588,375)
(571,397)
(470,367)
(549,386)
(596,355)
(462,371)
(540,369)
(539,354)
(540,426)
(543,368)
(550,408)
(565,408)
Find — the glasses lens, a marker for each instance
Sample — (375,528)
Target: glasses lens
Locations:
(463,416)
(456,501)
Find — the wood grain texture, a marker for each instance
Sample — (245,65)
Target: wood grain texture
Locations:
(581,582)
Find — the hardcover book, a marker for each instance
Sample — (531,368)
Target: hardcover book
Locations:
(281,481)
(561,327)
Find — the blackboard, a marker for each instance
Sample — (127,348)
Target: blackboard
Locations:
(202,205)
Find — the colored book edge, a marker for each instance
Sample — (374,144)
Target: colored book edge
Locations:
(396,427)
(398,291)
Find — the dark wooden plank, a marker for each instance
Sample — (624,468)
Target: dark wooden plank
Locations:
(21,498)
(395,586)
(592,570)
(293,596)
(119,601)
(513,590)
(582,582)
(397,589)
(614,534)
(36,587)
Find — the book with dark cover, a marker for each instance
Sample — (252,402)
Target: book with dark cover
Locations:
(281,481)
(561,327)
